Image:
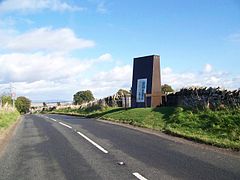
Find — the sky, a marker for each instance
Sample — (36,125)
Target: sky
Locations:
(50,49)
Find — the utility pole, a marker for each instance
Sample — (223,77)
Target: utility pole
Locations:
(1,101)
(12,94)
(9,91)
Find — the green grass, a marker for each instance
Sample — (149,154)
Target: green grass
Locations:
(7,118)
(144,117)
(219,128)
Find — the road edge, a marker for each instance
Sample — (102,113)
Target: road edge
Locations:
(175,139)
(170,137)
(7,134)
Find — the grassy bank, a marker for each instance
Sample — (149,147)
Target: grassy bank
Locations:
(7,118)
(219,128)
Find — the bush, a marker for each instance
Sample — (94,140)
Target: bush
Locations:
(96,107)
(6,100)
(23,104)
(83,97)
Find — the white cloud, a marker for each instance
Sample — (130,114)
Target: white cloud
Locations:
(205,78)
(18,67)
(234,37)
(35,67)
(33,5)
(41,90)
(40,80)
(40,65)
(107,83)
(119,73)
(6,22)
(105,57)
(166,71)
(53,77)
(101,7)
(208,68)
(44,39)
(5,36)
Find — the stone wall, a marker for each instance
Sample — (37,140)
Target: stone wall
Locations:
(202,98)
(115,100)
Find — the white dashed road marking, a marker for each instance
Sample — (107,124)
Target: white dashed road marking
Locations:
(136,174)
(81,134)
(139,176)
(93,143)
(65,125)
(53,119)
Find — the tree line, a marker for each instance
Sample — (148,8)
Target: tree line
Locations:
(22,104)
(86,96)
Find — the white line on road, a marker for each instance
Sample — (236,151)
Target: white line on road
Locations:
(53,119)
(139,176)
(93,143)
(85,137)
(65,125)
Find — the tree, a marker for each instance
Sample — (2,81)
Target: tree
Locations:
(123,92)
(22,104)
(166,89)
(123,96)
(44,104)
(83,97)
(7,100)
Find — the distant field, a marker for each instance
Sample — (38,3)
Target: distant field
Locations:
(7,118)
(219,128)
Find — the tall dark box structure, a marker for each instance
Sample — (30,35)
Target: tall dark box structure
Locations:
(146,82)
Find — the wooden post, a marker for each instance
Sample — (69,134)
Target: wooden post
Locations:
(145,100)
(125,99)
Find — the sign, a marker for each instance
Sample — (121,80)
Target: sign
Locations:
(146,81)
(13,95)
(141,89)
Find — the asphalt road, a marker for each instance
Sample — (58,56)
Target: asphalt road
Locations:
(67,147)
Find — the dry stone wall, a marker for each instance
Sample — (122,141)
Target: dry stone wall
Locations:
(203,98)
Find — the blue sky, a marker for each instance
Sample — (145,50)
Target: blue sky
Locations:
(49,49)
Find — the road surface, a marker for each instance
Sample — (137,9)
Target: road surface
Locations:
(67,147)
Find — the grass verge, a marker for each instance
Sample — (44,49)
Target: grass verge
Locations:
(7,118)
(218,128)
